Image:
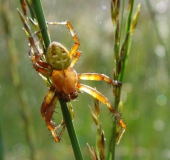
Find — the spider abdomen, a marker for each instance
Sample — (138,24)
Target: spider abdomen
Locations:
(58,56)
(65,82)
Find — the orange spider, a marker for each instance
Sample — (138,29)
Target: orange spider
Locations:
(57,66)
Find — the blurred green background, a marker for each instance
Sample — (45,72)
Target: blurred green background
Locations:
(145,89)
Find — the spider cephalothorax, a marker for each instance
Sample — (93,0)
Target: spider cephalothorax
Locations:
(57,68)
(58,56)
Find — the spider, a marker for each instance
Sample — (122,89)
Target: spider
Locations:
(56,65)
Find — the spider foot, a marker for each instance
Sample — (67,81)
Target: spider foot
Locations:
(117,83)
(119,137)
(57,136)
(120,133)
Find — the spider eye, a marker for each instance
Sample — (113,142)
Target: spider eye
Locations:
(58,56)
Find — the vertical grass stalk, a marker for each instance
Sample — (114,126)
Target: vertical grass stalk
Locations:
(122,43)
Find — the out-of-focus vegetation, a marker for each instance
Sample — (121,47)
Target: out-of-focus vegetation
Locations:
(145,86)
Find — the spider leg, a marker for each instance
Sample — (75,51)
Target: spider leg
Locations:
(63,125)
(75,38)
(28,32)
(34,48)
(36,58)
(75,58)
(96,94)
(45,72)
(39,65)
(47,110)
(98,77)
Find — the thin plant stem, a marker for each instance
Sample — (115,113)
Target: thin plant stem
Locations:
(128,42)
(71,131)
(65,111)
(122,14)
(41,21)
(121,52)
(112,141)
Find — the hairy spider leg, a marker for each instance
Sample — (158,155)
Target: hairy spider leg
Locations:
(39,65)
(36,58)
(96,94)
(75,38)
(38,33)
(75,58)
(33,46)
(98,77)
(47,110)
(63,125)
(27,28)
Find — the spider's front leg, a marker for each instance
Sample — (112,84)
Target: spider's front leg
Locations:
(75,38)
(98,77)
(38,64)
(75,58)
(47,110)
(96,94)
(36,57)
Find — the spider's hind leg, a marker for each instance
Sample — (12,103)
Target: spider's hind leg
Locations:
(96,94)
(99,77)
(47,110)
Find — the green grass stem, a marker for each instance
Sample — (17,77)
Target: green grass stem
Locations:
(121,52)
(128,41)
